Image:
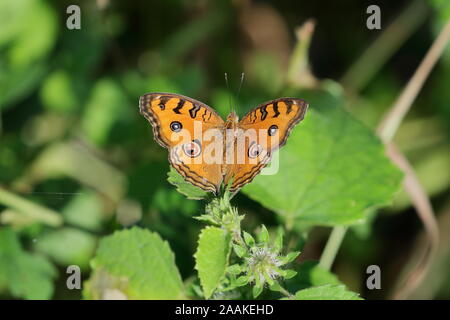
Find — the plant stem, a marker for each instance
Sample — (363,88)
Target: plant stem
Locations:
(394,117)
(332,247)
(285,292)
(30,209)
(391,123)
(376,55)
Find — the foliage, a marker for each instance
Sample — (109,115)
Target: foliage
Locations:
(334,160)
(137,263)
(25,275)
(83,183)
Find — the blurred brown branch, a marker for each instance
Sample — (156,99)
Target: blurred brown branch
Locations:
(394,117)
(422,204)
(419,198)
(392,38)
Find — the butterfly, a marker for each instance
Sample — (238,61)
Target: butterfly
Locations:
(210,152)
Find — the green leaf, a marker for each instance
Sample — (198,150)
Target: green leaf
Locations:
(24,46)
(136,264)
(288,274)
(84,210)
(234,269)
(98,122)
(242,281)
(263,235)
(310,274)
(257,289)
(327,292)
(69,159)
(32,43)
(278,243)
(276,287)
(239,250)
(248,239)
(57,92)
(67,246)
(214,246)
(184,187)
(326,169)
(289,257)
(25,275)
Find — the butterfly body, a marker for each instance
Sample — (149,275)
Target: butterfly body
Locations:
(209,152)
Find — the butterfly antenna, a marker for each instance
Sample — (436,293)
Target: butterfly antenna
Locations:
(240,86)
(228,88)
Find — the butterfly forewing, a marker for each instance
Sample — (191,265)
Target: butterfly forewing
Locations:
(278,117)
(272,121)
(179,124)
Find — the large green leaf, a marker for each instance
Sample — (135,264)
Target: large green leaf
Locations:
(310,274)
(330,172)
(98,122)
(84,210)
(327,292)
(134,264)
(23,274)
(67,246)
(211,257)
(24,45)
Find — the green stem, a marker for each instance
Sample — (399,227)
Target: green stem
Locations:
(396,114)
(285,292)
(373,59)
(332,247)
(30,209)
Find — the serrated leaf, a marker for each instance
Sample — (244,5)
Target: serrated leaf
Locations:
(211,258)
(25,275)
(289,257)
(288,274)
(234,269)
(242,281)
(276,287)
(206,218)
(269,280)
(327,292)
(184,187)
(263,235)
(278,243)
(326,169)
(240,251)
(248,239)
(257,291)
(138,264)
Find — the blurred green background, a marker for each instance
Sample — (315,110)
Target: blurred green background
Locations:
(77,160)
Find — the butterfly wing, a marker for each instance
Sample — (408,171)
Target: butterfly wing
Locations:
(175,120)
(280,114)
(273,122)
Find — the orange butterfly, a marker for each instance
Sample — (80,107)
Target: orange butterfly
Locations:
(208,151)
